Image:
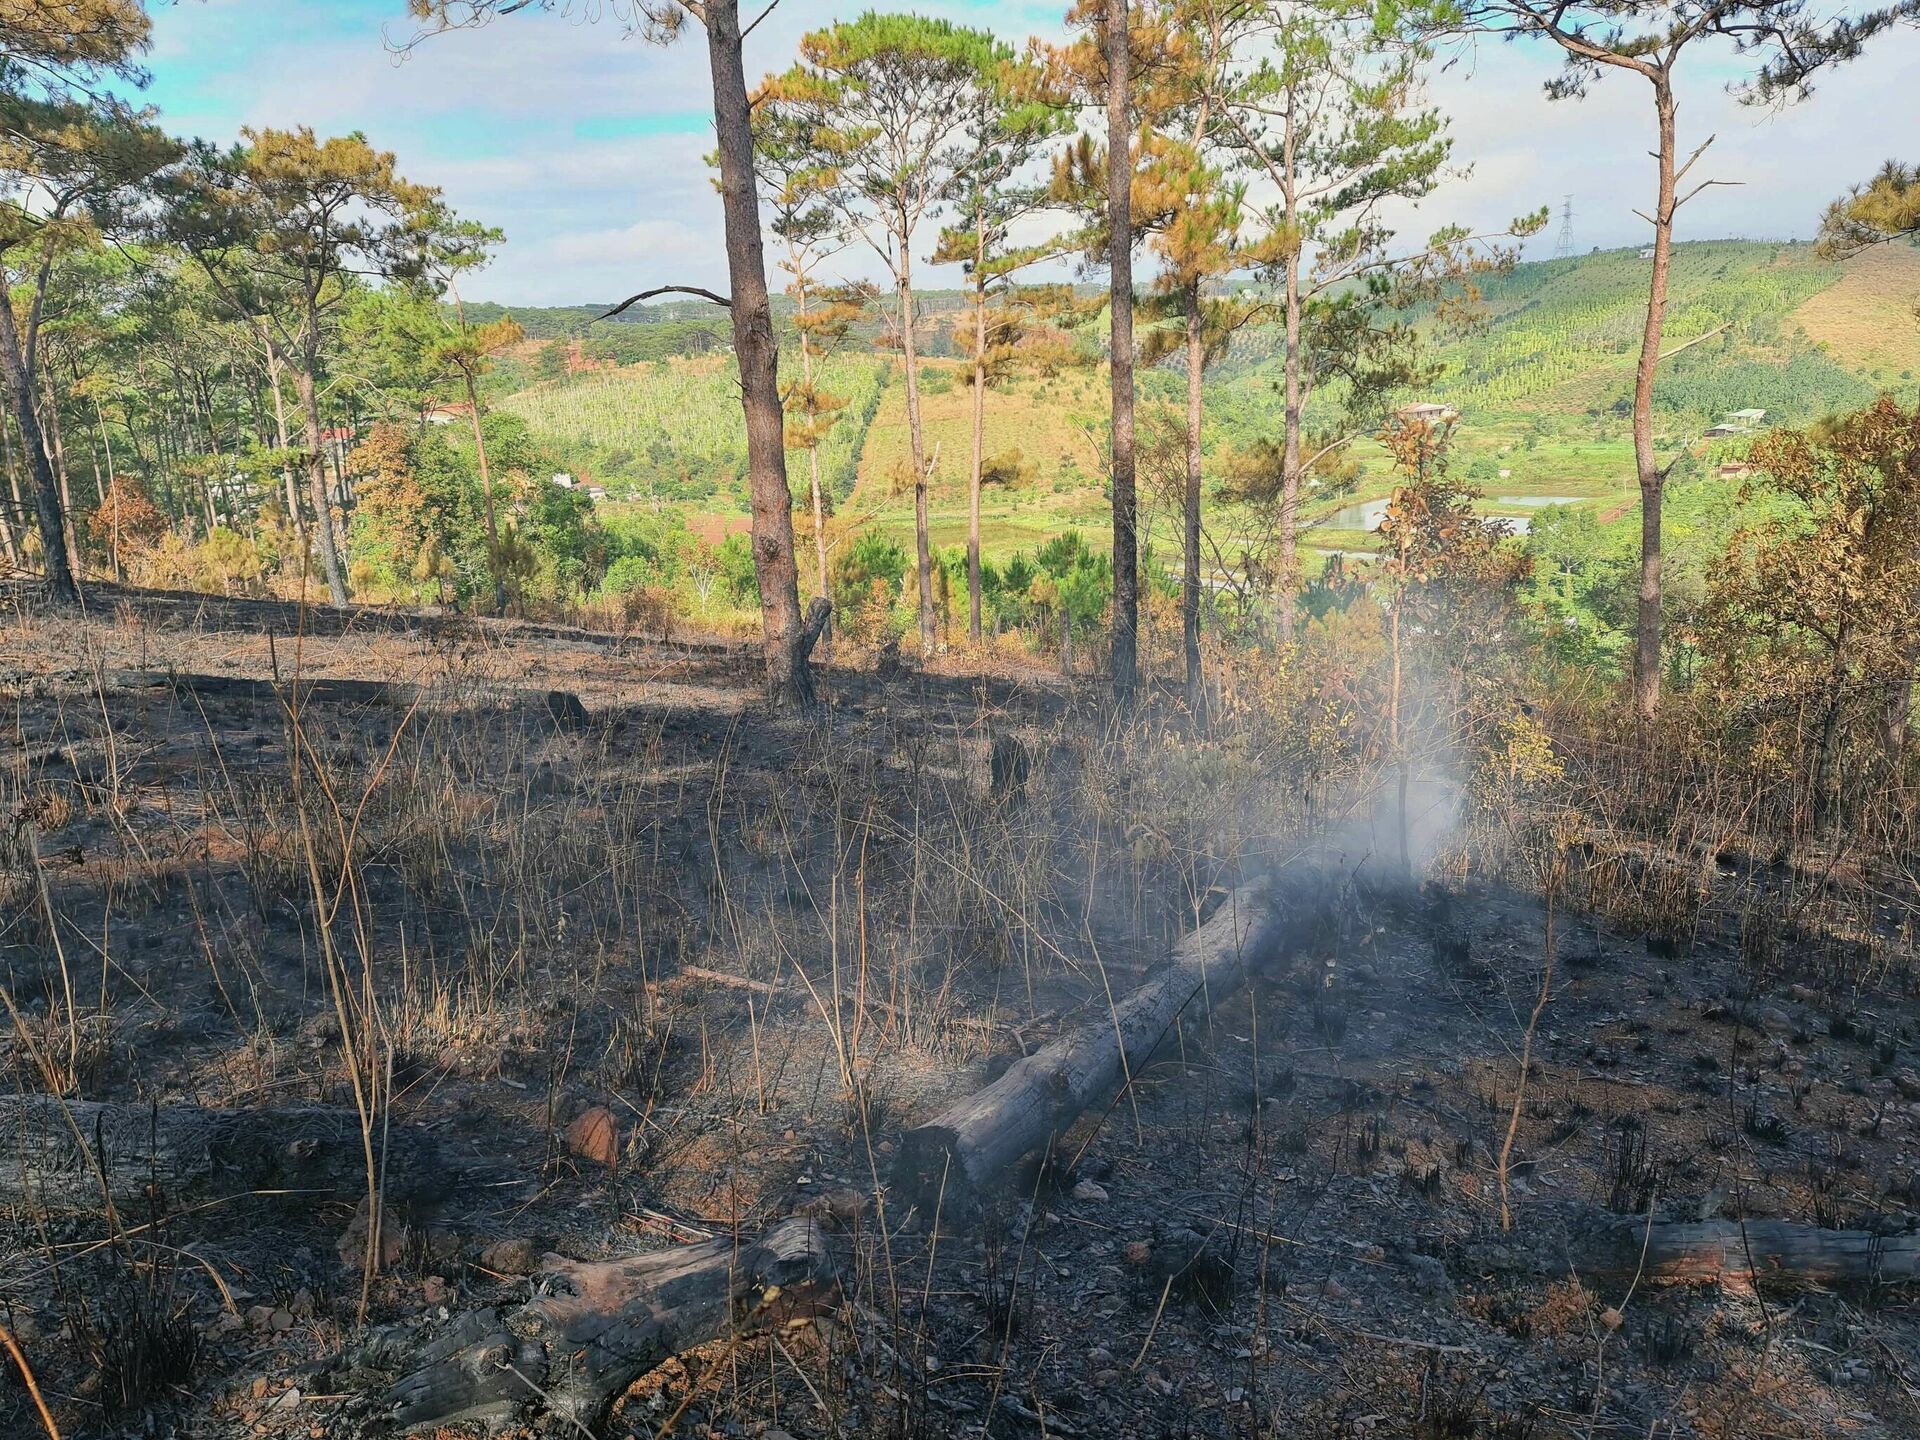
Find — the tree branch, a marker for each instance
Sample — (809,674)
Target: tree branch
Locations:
(633,300)
(1689,344)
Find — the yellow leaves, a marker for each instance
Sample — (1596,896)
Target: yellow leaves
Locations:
(1830,580)
(80,34)
(1526,755)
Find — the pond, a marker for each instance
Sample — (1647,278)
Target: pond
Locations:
(1367,514)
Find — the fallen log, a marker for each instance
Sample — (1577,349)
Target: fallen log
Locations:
(957,1156)
(574,1350)
(178,1155)
(1777,1254)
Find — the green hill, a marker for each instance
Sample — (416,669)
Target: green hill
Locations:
(1543,385)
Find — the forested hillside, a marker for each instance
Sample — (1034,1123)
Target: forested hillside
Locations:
(1542,379)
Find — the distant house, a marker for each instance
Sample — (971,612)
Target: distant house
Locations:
(1735,470)
(564,480)
(1428,411)
(1646,253)
(1737,422)
(595,493)
(443,412)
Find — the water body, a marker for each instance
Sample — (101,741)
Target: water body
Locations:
(1367,514)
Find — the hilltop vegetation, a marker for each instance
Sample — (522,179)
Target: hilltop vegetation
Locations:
(671,429)
(1542,383)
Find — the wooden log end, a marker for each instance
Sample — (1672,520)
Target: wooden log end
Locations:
(929,1174)
(478,1372)
(597,1327)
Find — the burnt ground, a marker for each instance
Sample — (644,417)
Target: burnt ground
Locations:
(1289,1224)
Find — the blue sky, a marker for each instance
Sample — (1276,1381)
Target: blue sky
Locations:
(587,148)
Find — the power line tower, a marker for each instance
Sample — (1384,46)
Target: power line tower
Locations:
(1564,249)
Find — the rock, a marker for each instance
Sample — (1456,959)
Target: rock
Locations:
(259,1317)
(1430,1277)
(1908,1084)
(1612,1318)
(1138,1254)
(280,1321)
(1334,1291)
(595,1135)
(394,1233)
(435,1291)
(1090,1192)
(286,1400)
(567,711)
(509,1257)
(839,1206)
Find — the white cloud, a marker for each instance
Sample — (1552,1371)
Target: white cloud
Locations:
(491,115)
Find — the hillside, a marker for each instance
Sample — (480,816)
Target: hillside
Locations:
(1859,319)
(1542,383)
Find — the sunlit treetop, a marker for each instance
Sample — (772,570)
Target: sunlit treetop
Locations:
(59,45)
(1787,42)
(71,166)
(1885,209)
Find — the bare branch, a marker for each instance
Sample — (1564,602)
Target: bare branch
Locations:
(1702,186)
(1689,344)
(633,300)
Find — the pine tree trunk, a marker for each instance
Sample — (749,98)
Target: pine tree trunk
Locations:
(317,484)
(294,512)
(789,681)
(1190,552)
(486,492)
(1290,459)
(1646,657)
(979,420)
(57,451)
(923,553)
(8,511)
(817,495)
(62,579)
(1126,544)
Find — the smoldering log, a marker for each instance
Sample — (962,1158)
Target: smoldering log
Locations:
(1776,1254)
(597,1328)
(958,1155)
(53,1154)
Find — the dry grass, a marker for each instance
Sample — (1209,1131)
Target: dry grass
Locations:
(528,920)
(1867,319)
